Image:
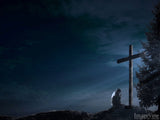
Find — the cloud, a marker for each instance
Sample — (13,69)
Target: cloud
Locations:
(38,8)
(105,8)
(16,98)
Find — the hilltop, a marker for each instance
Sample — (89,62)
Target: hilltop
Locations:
(121,113)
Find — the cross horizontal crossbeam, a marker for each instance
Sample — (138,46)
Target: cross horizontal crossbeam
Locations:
(129,58)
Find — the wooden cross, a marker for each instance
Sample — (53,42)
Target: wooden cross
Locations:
(130,58)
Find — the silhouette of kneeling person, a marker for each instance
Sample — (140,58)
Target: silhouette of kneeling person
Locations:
(116,98)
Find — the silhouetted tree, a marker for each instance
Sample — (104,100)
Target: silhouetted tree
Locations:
(148,87)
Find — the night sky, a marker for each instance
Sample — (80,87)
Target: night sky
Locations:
(61,54)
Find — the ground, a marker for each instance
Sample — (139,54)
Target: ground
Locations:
(121,113)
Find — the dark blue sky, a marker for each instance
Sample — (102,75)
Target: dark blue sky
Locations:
(61,54)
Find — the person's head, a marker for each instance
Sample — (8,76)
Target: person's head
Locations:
(118,90)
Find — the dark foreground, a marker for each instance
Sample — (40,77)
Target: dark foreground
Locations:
(122,113)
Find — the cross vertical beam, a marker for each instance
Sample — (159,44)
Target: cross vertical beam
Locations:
(130,76)
(130,59)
